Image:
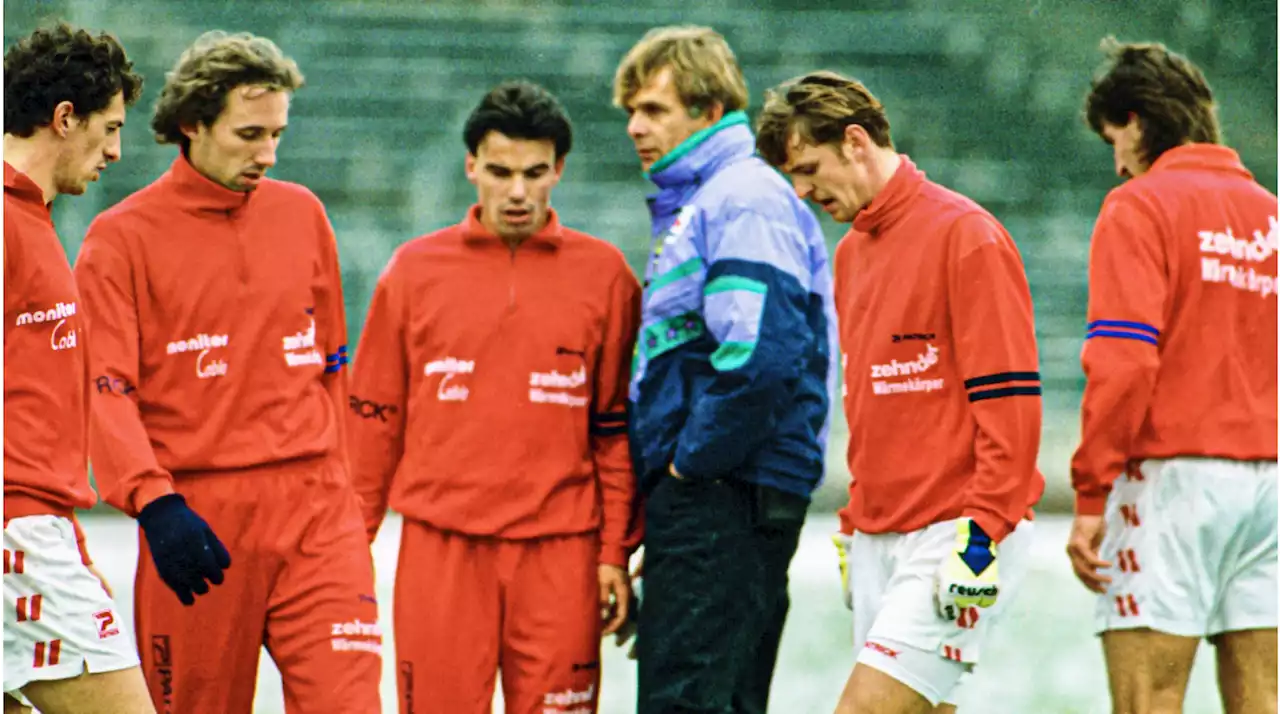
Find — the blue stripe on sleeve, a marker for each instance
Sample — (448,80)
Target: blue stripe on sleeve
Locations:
(1121,335)
(1123,324)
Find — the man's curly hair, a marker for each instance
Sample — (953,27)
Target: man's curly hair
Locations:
(1164,90)
(63,64)
(195,90)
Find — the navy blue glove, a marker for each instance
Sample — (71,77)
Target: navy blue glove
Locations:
(185,550)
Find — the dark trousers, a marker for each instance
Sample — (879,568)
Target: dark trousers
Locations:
(715,596)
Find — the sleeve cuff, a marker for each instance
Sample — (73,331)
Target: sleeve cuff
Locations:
(1091,504)
(993,525)
(80,546)
(150,488)
(613,555)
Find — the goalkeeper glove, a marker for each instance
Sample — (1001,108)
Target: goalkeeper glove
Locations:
(184,548)
(843,541)
(969,575)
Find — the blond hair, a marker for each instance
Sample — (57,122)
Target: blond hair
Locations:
(815,109)
(704,68)
(195,90)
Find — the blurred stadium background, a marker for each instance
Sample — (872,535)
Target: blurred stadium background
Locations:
(985,96)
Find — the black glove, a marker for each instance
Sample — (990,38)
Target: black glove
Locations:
(185,550)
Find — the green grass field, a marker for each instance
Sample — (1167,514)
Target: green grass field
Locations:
(1043,660)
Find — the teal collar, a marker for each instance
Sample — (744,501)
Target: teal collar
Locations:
(733,118)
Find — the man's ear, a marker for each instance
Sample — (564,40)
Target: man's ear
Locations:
(64,118)
(469,167)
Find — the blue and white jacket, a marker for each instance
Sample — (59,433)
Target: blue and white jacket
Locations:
(734,371)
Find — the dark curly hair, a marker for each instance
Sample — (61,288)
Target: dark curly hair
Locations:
(519,110)
(1164,90)
(195,90)
(64,64)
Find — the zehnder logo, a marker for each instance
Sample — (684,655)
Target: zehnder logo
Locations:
(569,701)
(62,337)
(207,366)
(541,382)
(1216,247)
(342,634)
(450,367)
(300,348)
(921,364)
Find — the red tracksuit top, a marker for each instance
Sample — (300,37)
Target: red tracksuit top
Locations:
(46,410)
(1180,353)
(489,387)
(219,332)
(942,390)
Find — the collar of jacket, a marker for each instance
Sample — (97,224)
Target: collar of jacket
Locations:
(893,201)
(703,153)
(21,187)
(475,233)
(1212,157)
(194,191)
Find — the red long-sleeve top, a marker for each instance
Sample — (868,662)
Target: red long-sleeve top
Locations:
(219,333)
(489,387)
(46,409)
(1180,353)
(942,389)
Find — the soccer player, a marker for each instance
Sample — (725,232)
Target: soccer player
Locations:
(731,391)
(1175,475)
(942,395)
(215,300)
(489,409)
(65,650)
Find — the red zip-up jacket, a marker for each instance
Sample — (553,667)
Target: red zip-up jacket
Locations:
(219,333)
(1180,353)
(942,388)
(46,409)
(489,387)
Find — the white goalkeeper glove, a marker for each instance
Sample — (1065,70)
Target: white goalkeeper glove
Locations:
(843,543)
(969,575)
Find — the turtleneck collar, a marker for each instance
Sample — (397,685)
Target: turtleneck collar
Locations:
(704,152)
(474,231)
(196,192)
(1213,157)
(893,201)
(23,188)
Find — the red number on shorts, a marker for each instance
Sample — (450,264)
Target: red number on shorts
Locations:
(47,653)
(968,618)
(29,608)
(1130,515)
(14,561)
(1128,561)
(1126,605)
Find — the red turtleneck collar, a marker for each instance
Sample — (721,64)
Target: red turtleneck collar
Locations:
(550,235)
(193,191)
(1213,157)
(893,200)
(23,188)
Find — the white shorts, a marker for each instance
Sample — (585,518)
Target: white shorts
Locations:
(58,621)
(1192,543)
(896,626)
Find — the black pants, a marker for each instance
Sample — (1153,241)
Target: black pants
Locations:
(715,598)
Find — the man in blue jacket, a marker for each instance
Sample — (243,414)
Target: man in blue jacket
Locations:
(734,372)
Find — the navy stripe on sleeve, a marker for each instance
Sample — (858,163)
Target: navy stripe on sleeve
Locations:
(1015,390)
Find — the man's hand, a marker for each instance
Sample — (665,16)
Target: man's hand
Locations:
(843,542)
(615,598)
(1083,547)
(968,576)
(184,548)
(627,631)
